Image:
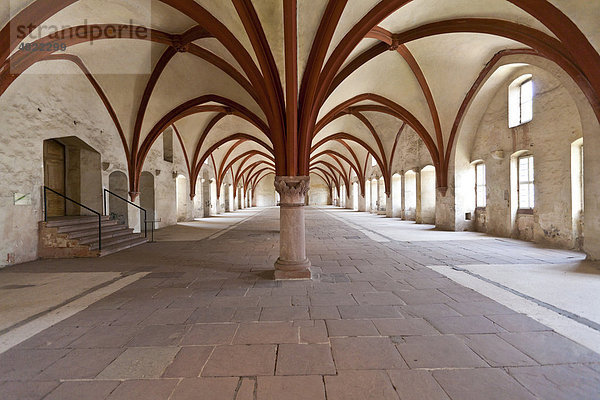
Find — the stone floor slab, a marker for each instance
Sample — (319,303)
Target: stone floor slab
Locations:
(206,388)
(550,348)
(557,382)
(290,388)
(266,332)
(404,327)
(414,384)
(209,334)
(188,363)
(241,360)
(351,327)
(25,364)
(140,363)
(368,312)
(363,353)
(481,383)
(27,390)
(80,364)
(284,313)
(360,385)
(518,323)
(78,390)
(305,359)
(155,389)
(465,325)
(497,352)
(159,335)
(445,351)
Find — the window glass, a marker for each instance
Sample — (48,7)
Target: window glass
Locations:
(520,101)
(526,101)
(526,182)
(480,185)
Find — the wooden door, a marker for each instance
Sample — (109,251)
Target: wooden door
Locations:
(54,177)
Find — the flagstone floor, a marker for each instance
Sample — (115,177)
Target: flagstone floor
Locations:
(208,322)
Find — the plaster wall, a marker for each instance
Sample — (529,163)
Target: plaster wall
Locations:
(319,193)
(548,137)
(38,107)
(265,192)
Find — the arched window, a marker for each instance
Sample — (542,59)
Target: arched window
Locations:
(480,186)
(526,184)
(520,101)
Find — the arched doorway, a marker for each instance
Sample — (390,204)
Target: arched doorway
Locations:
(367,195)
(206,199)
(410,195)
(428,195)
(181,189)
(381,197)
(374,196)
(213,197)
(355,196)
(118,209)
(396,196)
(73,169)
(147,198)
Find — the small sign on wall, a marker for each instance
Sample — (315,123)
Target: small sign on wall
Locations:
(22,199)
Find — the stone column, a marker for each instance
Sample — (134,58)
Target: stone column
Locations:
(133,213)
(389,209)
(292,262)
(402,195)
(362,202)
(418,216)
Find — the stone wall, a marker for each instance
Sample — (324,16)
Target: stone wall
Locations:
(265,192)
(319,193)
(40,107)
(548,137)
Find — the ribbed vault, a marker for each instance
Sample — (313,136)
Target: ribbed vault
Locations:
(297,88)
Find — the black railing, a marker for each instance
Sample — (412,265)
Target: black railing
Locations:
(133,204)
(46,189)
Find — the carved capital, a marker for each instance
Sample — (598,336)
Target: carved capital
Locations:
(292,190)
(292,185)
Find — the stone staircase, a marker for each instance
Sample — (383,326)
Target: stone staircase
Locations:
(77,236)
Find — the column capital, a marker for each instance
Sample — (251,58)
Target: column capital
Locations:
(292,189)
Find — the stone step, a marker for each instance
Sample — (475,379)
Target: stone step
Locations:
(55,222)
(86,226)
(122,231)
(113,241)
(93,232)
(122,246)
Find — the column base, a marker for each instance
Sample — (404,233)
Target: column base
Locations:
(286,270)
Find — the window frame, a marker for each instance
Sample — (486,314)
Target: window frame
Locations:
(530,182)
(516,103)
(374,162)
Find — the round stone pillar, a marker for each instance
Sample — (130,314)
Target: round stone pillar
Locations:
(292,262)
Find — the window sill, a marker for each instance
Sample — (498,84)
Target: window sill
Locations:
(526,211)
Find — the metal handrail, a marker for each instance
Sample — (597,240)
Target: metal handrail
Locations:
(46,188)
(133,204)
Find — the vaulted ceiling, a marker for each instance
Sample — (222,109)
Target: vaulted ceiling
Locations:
(297,87)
